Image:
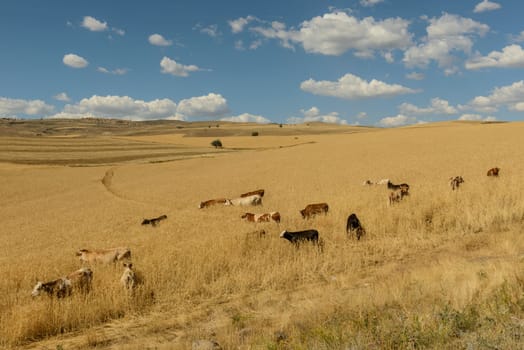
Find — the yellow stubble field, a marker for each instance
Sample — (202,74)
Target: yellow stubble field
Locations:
(441,269)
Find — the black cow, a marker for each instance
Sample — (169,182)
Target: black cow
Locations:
(300,236)
(353,224)
(154,221)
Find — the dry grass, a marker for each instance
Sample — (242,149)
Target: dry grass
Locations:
(441,269)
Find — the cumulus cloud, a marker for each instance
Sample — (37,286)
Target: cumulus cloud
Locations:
(438,106)
(172,67)
(353,87)
(75,61)
(210,105)
(510,96)
(10,107)
(445,35)
(247,118)
(486,5)
(159,40)
(238,25)
(62,97)
(313,115)
(397,120)
(93,24)
(477,117)
(120,107)
(336,33)
(511,56)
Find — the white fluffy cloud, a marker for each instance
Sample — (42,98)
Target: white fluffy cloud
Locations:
(120,107)
(511,56)
(337,32)
(238,25)
(353,87)
(10,107)
(62,97)
(438,107)
(313,115)
(486,5)
(93,24)
(510,96)
(159,40)
(172,67)
(397,120)
(210,105)
(445,35)
(247,118)
(75,61)
(476,117)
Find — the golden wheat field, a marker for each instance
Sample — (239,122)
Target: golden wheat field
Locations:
(442,269)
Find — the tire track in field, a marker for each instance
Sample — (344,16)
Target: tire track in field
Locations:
(107,181)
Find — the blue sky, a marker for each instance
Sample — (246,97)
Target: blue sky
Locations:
(366,62)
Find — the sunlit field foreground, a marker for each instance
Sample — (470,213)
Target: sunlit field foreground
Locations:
(441,269)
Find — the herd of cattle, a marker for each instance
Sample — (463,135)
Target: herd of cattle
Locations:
(81,279)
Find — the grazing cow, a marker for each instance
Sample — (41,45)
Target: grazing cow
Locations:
(368,183)
(300,236)
(404,187)
(353,224)
(58,288)
(455,182)
(259,192)
(153,222)
(211,202)
(313,209)
(266,217)
(397,195)
(128,279)
(254,199)
(110,255)
(80,279)
(493,171)
(382,182)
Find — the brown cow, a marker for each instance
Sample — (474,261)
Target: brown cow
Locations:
(493,171)
(110,255)
(313,209)
(154,221)
(404,187)
(211,202)
(61,287)
(259,192)
(455,182)
(266,217)
(397,195)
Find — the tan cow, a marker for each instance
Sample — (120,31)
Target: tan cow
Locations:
(397,195)
(266,217)
(211,202)
(493,171)
(78,280)
(254,199)
(312,209)
(110,255)
(128,279)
